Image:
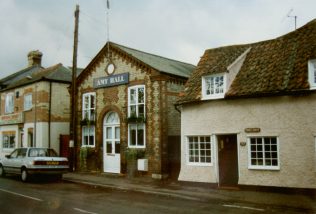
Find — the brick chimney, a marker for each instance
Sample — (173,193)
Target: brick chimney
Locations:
(34,58)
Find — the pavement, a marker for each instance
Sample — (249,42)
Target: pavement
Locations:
(197,192)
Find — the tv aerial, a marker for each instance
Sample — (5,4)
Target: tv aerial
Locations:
(292,16)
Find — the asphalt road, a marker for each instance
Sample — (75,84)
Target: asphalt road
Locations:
(50,196)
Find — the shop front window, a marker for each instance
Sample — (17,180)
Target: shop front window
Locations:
(8,140)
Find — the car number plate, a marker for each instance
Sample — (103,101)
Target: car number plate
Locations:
(52,163)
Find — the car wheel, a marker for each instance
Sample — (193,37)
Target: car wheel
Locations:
(2,172)
(24,175)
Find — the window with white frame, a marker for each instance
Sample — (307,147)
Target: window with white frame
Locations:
(27,102)
(9,103)
(263,153)
(214,86)
(88,136)
(312,73)
(136,135)
(8,140)
(136,101)
(199,150)
(136,113)
(88,106)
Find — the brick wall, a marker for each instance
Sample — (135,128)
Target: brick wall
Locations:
(160,97)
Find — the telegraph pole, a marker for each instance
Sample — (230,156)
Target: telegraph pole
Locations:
(73,113)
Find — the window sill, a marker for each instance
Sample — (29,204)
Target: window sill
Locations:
(215,97)
(312,87)
(199,164)
(276,168)
(136,147)
(86,146)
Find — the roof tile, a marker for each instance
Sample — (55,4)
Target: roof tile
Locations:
(271,67)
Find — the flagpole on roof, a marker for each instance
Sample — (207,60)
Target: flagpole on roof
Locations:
(108,26)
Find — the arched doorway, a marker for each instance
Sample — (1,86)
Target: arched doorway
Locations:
(111,143)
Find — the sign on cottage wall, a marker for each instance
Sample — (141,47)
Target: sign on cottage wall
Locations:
(113,80)
(11,119)
(252,130)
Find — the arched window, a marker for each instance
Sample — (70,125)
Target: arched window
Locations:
(112,118)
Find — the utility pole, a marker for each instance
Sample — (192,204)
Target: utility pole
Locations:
(73,113)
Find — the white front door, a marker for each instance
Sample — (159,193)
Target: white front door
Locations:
(111,143)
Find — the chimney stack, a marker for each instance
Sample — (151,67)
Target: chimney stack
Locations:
(35,58)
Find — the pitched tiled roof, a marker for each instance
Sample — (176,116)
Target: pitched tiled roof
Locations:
(19,75)
(146,60)
(272,67)
(57,73)
(159,63)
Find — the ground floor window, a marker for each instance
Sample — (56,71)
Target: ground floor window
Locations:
(136,135)
(88,136)
(199,149)
(263,153)
(8,140)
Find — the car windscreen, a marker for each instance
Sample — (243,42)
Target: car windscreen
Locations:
(40,152)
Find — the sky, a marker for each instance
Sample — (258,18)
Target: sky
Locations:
(176,29)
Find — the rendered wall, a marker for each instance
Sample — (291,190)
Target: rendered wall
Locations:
(291,119)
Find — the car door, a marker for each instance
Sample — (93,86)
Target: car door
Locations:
(20,159)
(10,162)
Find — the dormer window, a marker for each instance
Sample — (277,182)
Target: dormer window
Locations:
(312,73)
(213,86)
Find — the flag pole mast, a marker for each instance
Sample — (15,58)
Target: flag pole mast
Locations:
(108,26)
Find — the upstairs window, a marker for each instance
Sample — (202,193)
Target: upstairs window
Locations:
(88,106)
(27,102)
(136,101)
(312,73)
(213,86)
(9,103)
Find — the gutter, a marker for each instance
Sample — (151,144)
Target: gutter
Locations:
(176,106)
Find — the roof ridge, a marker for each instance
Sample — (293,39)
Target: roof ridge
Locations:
(155,55)
(19,72)
(44,71)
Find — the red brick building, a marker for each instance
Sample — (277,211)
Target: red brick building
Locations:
(126,109)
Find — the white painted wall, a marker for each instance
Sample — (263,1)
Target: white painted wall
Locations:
(292,119)
(58,128)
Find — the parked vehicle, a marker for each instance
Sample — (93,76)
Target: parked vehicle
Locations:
(29,161)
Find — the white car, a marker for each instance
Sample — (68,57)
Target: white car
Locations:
(28,161)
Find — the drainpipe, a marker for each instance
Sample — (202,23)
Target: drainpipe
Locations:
(35,117)
(49,113)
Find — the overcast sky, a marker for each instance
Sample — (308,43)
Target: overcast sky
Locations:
(177,29)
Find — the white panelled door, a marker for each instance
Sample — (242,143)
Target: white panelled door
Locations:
(111,143)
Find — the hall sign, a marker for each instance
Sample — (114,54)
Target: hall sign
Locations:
(11,119)
(113,80)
